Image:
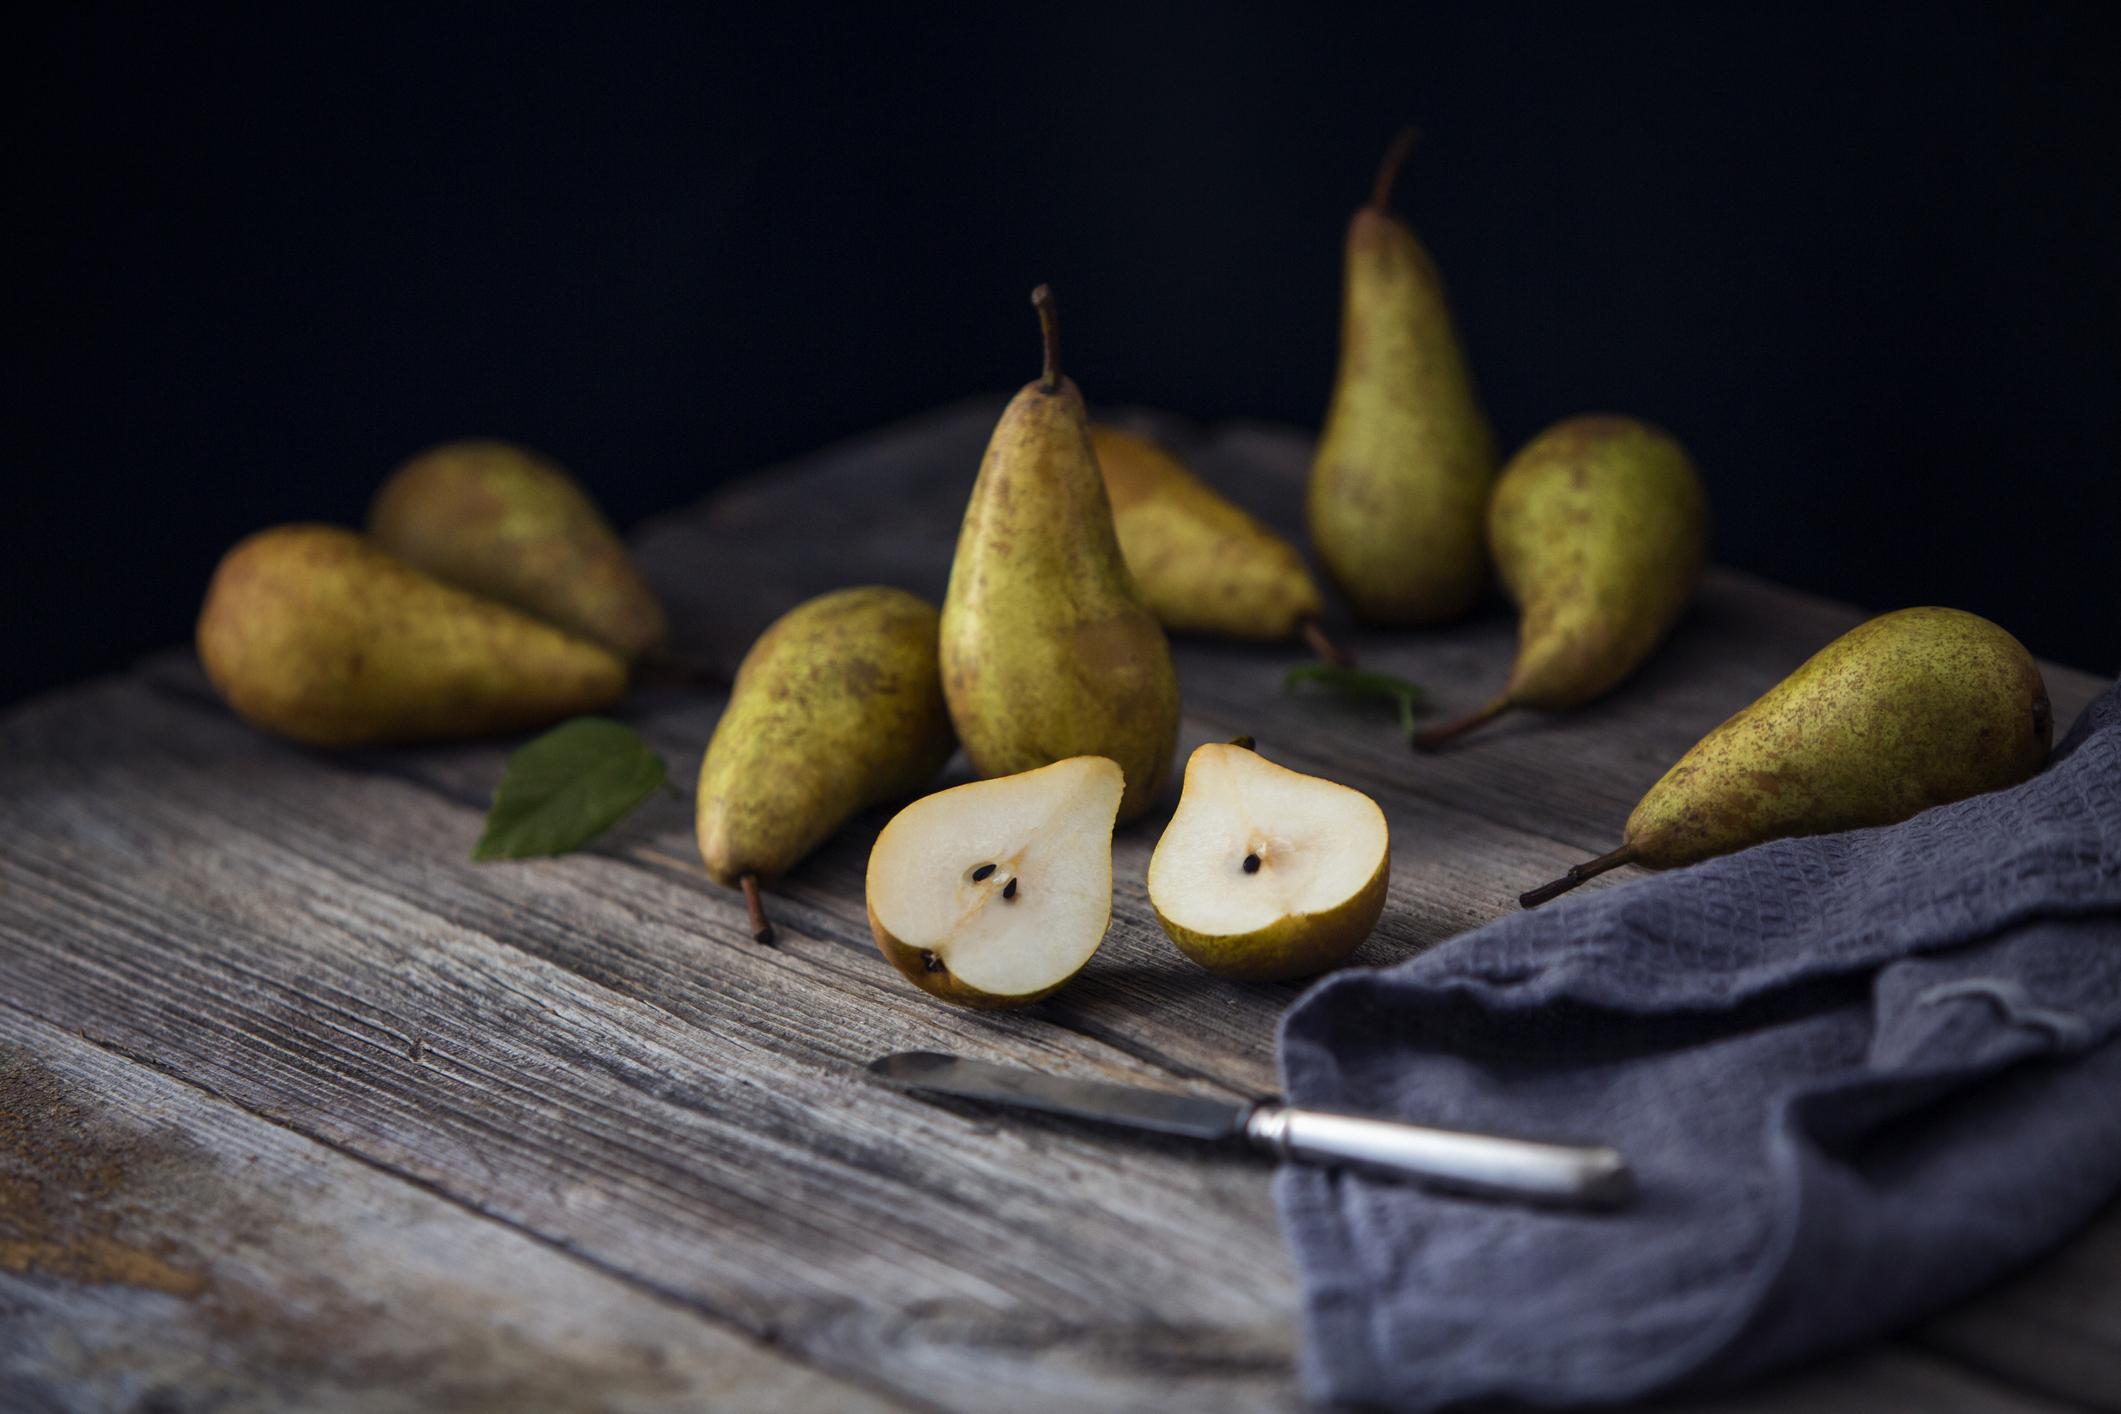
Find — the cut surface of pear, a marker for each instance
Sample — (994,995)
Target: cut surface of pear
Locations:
(1265,873)
(994,894)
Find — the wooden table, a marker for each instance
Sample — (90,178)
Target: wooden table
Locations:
(299,1108)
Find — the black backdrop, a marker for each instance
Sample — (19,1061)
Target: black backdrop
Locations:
(1863,260)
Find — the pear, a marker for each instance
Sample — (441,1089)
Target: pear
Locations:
(502,521)
(1048,650)
(1909,710)
(994,894)
(317,634)
(1599,528)
(835,708)
(1264,873)
(1400,482)
(1203,563)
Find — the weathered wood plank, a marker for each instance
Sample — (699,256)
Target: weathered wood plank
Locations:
(160,1249)
(161,892)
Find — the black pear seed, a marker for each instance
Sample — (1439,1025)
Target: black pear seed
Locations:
(1009,889)
(982,872)
(1251,864)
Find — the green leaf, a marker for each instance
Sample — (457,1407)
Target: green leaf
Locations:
(1356,683)
(567,787)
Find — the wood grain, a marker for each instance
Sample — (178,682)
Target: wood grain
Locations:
(590,1060)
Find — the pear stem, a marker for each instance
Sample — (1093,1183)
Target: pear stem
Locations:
(1589,869)
(1436,736)
(1315,639)
(1049,330)
(1388,170)
(761,929)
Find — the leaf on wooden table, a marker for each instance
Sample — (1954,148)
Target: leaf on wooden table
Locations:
(568,787)
(1360,683)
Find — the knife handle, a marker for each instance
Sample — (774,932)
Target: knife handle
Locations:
(1576,1175)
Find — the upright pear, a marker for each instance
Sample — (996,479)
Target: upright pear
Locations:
(1048,649)
(1203,563)
(317,634)
(1400,482)
(1599,528)
(502,521)
(1910,710)
(835,708)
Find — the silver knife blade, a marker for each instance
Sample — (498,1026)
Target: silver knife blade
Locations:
(1162,1111)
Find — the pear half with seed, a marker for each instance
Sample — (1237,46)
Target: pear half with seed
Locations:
(1266,874)
(994,894)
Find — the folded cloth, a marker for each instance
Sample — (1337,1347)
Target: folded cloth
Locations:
(1858,1076)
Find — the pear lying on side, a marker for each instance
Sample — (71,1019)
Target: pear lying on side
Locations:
(1048,650)
(315,633)
(1910,710)
(502,521)
(1400,483)
(835,708)
(1264,873)
(994,894)
(1202,562)
(1599,528)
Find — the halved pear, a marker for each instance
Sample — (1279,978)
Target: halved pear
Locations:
(994,894)
(1264,873)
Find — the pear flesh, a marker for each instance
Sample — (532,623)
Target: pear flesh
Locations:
(994,894)
(1399,487)
(317,634)
(836,707)
(1908,711)
(1203,564)
(502,521)
(1048,650)
(1266,874)
(1599,528)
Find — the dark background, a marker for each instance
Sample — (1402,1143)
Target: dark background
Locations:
(1863,260)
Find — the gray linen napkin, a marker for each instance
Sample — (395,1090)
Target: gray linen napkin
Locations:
(1858,1076)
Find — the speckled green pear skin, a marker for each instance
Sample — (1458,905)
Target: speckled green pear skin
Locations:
(1599,529)
(1908,711)
(1048,649)
(502,521)
(1202,562)
(1399,486)
(835,708)
(315,633)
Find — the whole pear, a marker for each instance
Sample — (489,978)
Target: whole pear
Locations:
(1599,529)
(1203,563)
(502,521)
(1400,482)
(317,634)
(836,707)
(1048,649)
(1911,710)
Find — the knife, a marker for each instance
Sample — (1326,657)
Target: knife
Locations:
(1574,1175)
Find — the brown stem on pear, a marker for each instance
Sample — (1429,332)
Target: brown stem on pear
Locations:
(1388,170)
(761,930)
(1244,741)
(1438,735)
(1315,639)
(1049,330)
(1589,869)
